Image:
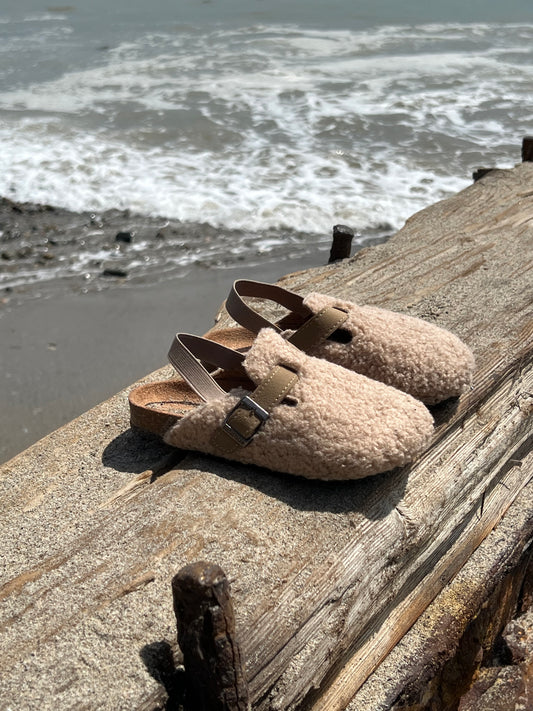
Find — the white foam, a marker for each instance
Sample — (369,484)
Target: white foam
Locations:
(45,17)
(301,128)
(237,192)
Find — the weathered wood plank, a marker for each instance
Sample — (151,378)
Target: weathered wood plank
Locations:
(411,674)
(96,520)
(442,565)
(387,560)
(464,444)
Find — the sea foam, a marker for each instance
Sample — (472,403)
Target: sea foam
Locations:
(271,127)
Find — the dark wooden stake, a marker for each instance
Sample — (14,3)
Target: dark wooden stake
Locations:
(480,172)
(215,678)
(527,149)
(342,243)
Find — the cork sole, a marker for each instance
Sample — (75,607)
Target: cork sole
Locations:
(155,407)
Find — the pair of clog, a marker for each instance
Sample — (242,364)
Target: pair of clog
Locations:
(331,391)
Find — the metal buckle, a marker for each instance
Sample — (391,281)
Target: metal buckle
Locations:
(248,404)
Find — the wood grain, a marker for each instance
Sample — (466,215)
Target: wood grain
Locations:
(326,577)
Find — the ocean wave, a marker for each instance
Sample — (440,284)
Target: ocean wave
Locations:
(272,126)
(258,188)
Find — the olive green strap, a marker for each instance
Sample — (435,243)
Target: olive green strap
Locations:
(188,353)
(253,410)
(314,329)
(318,328)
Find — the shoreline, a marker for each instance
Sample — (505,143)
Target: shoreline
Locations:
(46,250)
(69,343)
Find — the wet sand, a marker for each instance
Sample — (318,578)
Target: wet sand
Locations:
(63,351)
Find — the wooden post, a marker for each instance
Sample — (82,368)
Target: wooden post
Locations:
(480,173)
(527,156)
(342,243)
(215,678)
(527,149)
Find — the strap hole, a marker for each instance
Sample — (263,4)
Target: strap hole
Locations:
(341,335)
(289,367)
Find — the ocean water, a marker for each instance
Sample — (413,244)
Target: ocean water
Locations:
(261,115)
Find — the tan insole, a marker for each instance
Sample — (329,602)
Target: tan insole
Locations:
(175,397)
(240,339)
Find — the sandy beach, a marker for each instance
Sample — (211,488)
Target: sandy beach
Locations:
(67,343)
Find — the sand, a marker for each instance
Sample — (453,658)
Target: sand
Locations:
(63,354)
(90,302)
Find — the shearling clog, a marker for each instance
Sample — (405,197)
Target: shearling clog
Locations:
(279,408)
(414,356)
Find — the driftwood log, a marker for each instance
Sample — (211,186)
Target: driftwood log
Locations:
(327,577)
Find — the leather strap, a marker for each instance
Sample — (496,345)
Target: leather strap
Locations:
(187,352)
(318,328)
(248,317)
(253,410)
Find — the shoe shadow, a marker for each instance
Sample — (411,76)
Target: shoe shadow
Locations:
(375,496)
(444,411)
(134,451)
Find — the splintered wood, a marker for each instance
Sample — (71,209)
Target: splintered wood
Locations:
(326,577)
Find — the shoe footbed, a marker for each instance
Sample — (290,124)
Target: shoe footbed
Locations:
(241,339)
(156,406)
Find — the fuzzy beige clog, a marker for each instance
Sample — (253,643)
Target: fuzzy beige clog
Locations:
(279,408)
(426,361)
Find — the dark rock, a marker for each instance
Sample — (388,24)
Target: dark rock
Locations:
(125,237)
(114,273)
(7,255)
